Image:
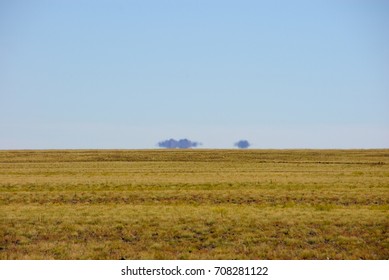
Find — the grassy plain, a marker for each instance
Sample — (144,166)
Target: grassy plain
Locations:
(194,204)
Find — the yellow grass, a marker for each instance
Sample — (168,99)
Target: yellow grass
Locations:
(194,204)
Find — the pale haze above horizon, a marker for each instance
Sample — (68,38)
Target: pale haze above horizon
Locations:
(129,74)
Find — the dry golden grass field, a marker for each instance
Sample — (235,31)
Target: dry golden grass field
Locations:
(194,204)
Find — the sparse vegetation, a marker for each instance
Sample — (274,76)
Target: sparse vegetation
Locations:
(194,204)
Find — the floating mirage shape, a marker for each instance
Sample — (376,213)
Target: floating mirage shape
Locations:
(178,144)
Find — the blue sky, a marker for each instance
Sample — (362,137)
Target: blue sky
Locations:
(128,74)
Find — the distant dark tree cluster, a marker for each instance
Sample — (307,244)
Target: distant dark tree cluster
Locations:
(242,144)
(186,144)
(178,144)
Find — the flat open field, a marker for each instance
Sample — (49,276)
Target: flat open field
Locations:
(194,204)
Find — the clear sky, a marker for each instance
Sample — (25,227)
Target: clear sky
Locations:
(128,74)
